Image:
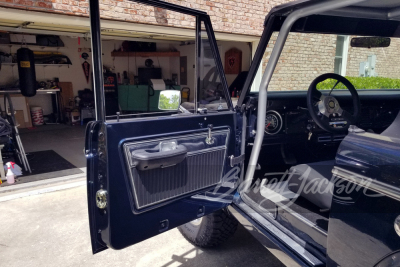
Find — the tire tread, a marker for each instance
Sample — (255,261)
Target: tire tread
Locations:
(215,229)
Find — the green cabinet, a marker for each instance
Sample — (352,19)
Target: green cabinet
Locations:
(137,98)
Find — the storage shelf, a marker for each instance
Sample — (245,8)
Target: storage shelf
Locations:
(13,64)
(145,54)
(32,45)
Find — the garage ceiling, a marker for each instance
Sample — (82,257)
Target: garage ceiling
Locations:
(35,22)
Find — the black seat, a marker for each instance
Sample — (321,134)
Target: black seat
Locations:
(313,182)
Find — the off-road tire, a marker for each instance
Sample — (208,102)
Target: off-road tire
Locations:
(212,230)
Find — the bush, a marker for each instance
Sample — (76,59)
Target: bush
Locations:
(362,83)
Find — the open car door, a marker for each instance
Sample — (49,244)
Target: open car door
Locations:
(150,172)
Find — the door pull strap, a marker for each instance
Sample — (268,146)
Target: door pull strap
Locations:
(236,160)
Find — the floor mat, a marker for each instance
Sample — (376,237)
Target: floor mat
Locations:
(46,164)
(277,192)
(269,194)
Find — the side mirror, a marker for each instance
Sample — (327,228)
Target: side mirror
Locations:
(169,100)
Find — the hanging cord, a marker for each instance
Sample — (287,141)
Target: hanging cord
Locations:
(23,42)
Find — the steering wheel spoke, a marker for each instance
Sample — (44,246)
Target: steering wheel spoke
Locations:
(317,95)
(348,117)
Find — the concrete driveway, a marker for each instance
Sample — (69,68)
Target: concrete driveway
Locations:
(52,230)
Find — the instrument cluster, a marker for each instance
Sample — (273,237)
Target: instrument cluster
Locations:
(273,122)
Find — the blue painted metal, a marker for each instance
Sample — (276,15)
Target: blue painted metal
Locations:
(361,231)
(361,224)
(125,228)
(118,226)
(268,239)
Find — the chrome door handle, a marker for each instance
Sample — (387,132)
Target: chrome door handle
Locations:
(209,139)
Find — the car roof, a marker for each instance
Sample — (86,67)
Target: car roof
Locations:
(367,18)
(372,8)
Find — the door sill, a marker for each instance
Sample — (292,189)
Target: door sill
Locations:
(282,235)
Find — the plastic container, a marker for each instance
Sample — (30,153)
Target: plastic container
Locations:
(37,115)
(10,175)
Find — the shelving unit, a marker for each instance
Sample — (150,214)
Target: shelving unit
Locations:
(44,65)
(145,54)
(32,45)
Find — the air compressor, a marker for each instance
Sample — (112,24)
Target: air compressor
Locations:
(26,72)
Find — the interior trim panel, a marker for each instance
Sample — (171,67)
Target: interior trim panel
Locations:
(201,168)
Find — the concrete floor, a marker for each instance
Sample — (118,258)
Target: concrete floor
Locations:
(67,141)
(52,230)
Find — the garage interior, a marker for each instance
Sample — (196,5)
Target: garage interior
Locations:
(133,54)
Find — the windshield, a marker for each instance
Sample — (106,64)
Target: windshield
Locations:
(305,56)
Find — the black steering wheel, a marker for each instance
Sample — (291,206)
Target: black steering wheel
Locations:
(325,109)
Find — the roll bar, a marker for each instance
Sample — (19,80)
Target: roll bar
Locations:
(312,8)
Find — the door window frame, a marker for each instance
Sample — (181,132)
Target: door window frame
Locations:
(343,56)
(98,79)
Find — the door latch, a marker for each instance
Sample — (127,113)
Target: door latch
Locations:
(101,199)
(209,139)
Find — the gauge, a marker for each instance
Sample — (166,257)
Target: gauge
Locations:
(273,122)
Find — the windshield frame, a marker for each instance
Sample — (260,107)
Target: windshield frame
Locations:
(319,24)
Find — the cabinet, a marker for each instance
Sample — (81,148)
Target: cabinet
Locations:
(140,98)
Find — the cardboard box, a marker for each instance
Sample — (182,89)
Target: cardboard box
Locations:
(20,104)
(73,117)
(20,119)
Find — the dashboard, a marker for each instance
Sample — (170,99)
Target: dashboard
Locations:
(288,119)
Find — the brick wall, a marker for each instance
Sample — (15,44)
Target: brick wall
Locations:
(304,57)
(386,58)
(231,16)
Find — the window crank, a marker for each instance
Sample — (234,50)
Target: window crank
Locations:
(209,139)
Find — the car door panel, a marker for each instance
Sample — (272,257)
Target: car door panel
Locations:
(143,203)
(201,167)
(153,172)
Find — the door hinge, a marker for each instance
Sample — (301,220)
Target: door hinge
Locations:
(236,160)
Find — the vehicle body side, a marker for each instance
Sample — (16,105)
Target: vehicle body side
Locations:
(361,230)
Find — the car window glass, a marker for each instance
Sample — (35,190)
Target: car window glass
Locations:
(211,91)
(138,69)
(306,56)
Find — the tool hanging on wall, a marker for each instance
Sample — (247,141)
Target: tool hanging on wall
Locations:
(86,66)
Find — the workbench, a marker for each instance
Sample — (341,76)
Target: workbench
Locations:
(54,96)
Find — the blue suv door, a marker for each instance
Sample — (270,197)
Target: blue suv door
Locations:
(150,172)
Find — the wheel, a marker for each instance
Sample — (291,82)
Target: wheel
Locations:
(211,230)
